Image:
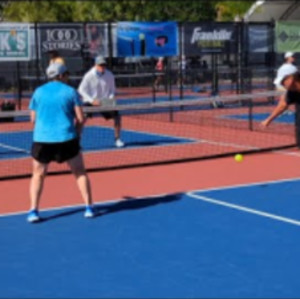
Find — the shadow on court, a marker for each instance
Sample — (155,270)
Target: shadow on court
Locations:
(129,203)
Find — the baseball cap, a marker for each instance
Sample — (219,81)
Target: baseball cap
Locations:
(285,71)
(55,69)
(288,54)
(100,60)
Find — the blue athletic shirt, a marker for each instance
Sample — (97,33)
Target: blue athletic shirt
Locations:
(54,104)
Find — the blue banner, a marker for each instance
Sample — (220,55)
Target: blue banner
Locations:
(146,39)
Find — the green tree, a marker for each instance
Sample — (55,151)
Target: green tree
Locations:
(143,10)
(122,10)
(109,10)
(229,10)
(28,11)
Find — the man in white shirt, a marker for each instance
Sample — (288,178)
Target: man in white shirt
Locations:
(97,88)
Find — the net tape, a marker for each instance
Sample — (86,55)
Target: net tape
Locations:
(225,100)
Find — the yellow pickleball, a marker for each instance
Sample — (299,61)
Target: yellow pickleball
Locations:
(238,157)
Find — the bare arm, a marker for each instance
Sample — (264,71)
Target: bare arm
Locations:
(84,91)
(32,116)
(279,109)
(79,119)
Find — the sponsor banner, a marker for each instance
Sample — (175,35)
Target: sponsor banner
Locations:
(146,39)
(14,42)
(259,38)
(96,39)
(287,36)
(204,38)
(67,39)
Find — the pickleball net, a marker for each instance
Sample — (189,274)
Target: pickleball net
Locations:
(158,133)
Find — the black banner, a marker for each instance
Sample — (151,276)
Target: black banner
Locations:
(67,39)
(260,38)
(205,38)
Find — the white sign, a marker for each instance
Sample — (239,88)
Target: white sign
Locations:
(14,42)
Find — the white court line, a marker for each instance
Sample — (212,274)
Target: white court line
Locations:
(287,153)
(60,208)
(155,195)
(18,149)
(100,203)
(247,185)
(244,209)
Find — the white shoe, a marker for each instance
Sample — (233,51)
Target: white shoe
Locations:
(119,143)
(33,216)
(89,212)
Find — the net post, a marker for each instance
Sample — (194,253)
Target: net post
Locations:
(19,85)
(215,89)
(37,54)
(250,115)
(153,80)
(171,117)
(180,62)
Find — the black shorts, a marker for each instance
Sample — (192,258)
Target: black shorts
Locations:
(59,152)
(107,114)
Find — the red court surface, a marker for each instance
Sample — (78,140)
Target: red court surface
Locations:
(140,182)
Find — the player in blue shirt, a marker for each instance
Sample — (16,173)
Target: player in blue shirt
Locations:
(58,120)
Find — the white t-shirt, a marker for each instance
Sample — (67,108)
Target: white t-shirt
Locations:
(97,86)
(275,82)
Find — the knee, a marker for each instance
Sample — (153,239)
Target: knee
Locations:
(38,174)
(78,171)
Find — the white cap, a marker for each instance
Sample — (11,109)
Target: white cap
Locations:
(100,60)
(286,70)
(55,69)
(288,54)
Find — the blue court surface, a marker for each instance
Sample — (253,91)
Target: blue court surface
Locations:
(15,145)
(237,242)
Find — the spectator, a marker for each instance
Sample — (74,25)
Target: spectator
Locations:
(159,68)
(55,57)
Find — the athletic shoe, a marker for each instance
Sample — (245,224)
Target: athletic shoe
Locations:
(119,143)
(89,212)
(33,216)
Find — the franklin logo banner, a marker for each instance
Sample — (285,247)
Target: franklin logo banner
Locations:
(146,39)
(288,36)
(14,42)
(203,38)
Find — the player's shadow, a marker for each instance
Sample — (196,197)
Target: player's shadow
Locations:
(132,203)
(129,203)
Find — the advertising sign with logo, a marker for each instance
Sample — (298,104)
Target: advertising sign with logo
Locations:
(14,42)
(146,39)
(260,38)
(204,38)
(96,39)
(288,36)
(67,39)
